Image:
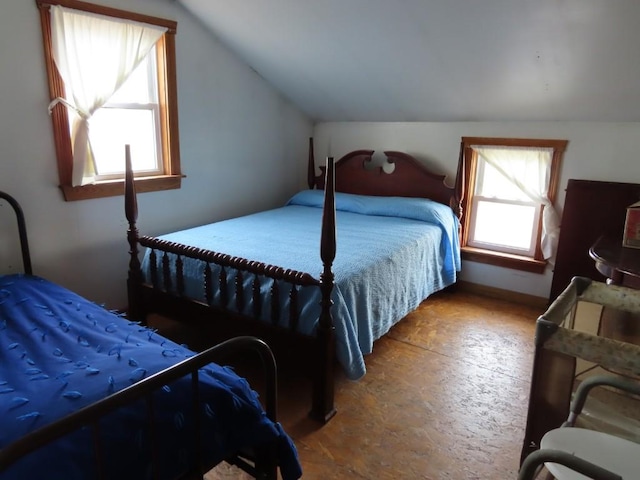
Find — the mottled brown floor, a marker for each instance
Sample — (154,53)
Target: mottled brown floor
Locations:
(444,397)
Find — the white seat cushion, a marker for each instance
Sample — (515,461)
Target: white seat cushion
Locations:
(613,453)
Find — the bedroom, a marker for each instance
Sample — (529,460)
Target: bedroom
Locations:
(237,132)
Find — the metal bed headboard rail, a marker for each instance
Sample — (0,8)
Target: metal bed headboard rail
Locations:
(22,232)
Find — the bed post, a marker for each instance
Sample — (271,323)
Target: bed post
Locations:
(134,279)
(323,408)
(311,166)
(22,232)
(460,183)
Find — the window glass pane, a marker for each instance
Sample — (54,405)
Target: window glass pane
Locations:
(140,86)
(112,128)
(491,183)
(504,224)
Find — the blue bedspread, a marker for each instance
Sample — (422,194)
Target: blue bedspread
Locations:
(392,253)
(60,352)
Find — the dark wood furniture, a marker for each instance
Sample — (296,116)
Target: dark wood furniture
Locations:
(351,174)
(620,265)
(591,209)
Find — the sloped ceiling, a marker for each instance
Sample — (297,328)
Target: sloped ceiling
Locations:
(440,60)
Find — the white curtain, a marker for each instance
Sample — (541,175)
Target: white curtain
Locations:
(94,54)
(530,172)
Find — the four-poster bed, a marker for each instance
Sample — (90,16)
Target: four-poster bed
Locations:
(387,241)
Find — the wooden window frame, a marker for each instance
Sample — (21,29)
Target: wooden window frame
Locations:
(535,263)
(168,99)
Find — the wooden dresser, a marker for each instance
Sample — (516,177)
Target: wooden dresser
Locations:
(591,209)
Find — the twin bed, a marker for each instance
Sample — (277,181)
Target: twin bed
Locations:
(387,241)
(87,393)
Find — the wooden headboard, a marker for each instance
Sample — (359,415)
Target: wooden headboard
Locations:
(407,178)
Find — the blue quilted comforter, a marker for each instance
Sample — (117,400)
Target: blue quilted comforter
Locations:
(392,253)
(60,352)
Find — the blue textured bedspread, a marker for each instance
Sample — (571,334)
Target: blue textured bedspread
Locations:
(392,253)
(60,352)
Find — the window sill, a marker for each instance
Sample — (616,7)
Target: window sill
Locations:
(506,260)
(114,188)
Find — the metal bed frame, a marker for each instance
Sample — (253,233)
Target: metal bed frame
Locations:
(258,461)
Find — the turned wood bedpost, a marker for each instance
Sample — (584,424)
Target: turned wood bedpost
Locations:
(460,183)
(311,166)
(134,279)
(323,407)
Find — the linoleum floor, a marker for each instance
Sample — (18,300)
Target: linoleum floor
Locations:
(444,397)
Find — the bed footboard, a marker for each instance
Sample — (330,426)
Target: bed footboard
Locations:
(164,292)
(259,461)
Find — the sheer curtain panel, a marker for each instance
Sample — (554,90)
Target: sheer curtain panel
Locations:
(94,55)
(529,169)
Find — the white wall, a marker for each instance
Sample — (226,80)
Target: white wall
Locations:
(596,151)
(243,147)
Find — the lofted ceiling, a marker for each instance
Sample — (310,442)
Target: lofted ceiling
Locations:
(440,60)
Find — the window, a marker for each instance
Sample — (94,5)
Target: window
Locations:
(105,97)
(508,214)
(131,116)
